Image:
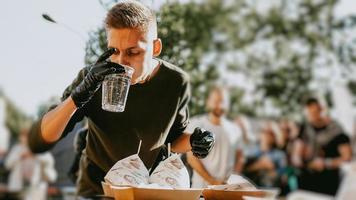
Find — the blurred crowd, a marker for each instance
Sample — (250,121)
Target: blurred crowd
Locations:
(280,153)
(24,175)
(272,153)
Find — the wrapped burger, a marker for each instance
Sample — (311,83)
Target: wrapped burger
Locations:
(171,173)
(129,171)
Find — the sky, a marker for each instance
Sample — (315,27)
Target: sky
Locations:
(39,59)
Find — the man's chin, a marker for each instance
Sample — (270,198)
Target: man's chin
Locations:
(218,114)
(135,81)
(138,80)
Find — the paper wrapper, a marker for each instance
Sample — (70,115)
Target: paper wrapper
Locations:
(171,173)
(129,171)
(238,188)
(235,182)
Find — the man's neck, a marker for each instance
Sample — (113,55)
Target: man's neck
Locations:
(214,119)
(321,122)
(156,65)
(153,72)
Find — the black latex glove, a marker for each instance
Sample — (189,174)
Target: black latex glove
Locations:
(202,142)
(92,81)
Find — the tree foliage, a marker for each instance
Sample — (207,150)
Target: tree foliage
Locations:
(15,118)
(277,45)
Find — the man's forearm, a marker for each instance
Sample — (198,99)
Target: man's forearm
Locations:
(333,163)
(196,164)
(55,121)
(345,152)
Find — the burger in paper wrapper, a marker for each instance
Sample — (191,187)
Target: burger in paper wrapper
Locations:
(129,171)
(171,173)
(170,180)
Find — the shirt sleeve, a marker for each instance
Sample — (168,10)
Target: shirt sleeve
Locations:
(341,139)
(182,118)
(36,142)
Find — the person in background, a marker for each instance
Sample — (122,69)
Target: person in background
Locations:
(322,147)
(248,142)
(29,172)
(289,133)
(217,167)
(267,163)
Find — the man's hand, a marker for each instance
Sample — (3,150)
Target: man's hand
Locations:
(216,182)
(317,164)
(92,81)
(202,142)
(26,154)
(266,163)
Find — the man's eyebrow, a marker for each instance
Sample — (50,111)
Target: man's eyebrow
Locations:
(135,47)
(111,47)
(130,48)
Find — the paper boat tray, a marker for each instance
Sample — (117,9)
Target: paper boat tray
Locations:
(107,189)
(210,194)
(130,193)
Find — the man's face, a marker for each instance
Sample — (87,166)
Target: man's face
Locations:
(217,103)
(134,48)
(313,112)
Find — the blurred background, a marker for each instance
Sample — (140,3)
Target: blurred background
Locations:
(270,54)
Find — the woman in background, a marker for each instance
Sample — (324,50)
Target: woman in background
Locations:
(29,173)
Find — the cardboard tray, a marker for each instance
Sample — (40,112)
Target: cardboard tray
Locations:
(107,189)
(130,193)
(210,194)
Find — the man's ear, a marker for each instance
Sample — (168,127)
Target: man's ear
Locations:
(157,47)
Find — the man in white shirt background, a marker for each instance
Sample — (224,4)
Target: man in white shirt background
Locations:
(217,167)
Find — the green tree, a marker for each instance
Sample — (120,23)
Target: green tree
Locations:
(44,106)
(278,45)
(15,119)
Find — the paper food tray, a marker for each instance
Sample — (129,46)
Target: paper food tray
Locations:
(133,193)
(210,194)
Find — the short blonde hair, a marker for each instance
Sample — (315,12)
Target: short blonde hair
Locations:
(131,14)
